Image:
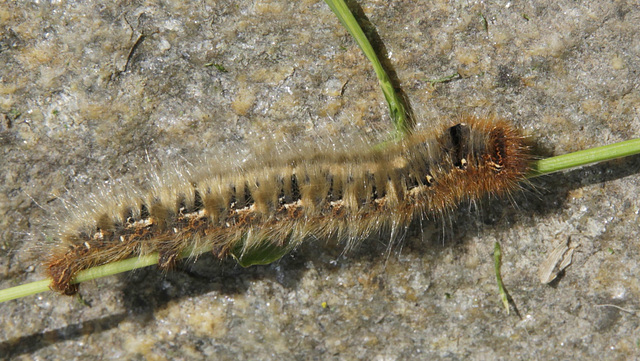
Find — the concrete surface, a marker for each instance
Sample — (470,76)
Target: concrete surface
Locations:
(89,91)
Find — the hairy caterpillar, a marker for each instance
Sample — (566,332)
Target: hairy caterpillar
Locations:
(279,202)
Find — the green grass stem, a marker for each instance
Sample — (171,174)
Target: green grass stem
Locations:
(497,264)
(396,106)
(24,290)
(544,166)
(110,269)
(584,157)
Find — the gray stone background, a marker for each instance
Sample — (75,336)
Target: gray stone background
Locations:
(89,89)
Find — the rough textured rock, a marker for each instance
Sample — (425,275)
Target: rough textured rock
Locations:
(89,92)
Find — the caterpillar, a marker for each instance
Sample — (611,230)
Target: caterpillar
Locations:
(280,201)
